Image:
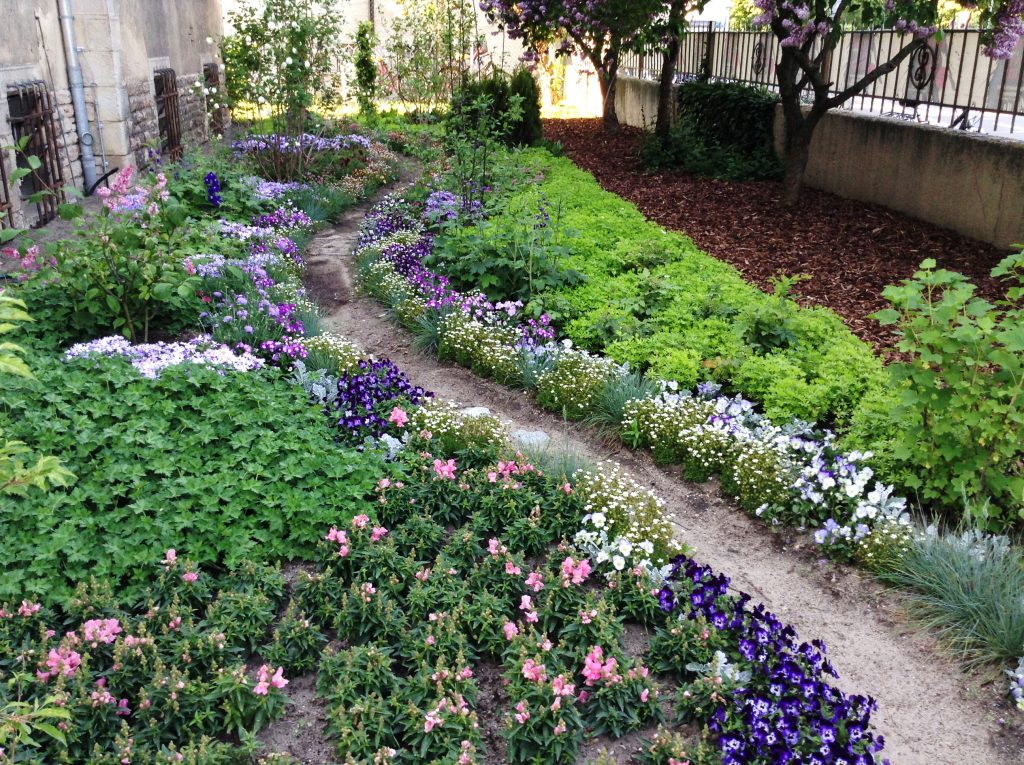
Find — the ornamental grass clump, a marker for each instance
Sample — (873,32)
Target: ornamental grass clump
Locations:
(968,588)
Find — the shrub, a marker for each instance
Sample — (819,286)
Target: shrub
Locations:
(513,103)
(723,130)
(366,68)
(238,464)
(961,392)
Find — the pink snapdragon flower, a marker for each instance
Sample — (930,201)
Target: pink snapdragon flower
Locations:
(445,470)
(27,609)
(63,661)
(96,631)
(534,672)
(574,572)
(535,581)
(379,532)
(522,713)
(398,417)
(190,577)
(510,630)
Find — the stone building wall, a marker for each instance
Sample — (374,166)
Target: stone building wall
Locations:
(121,44)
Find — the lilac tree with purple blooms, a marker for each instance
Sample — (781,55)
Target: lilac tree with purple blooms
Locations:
(600,30)
(808,32)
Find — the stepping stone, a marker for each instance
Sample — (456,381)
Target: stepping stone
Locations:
(531,438)
(476,411)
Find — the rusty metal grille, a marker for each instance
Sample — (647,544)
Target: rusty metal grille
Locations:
(211,77)
(949,82)
(30,105)
(168,113)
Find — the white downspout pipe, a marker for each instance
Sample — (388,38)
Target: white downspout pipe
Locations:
(77,86)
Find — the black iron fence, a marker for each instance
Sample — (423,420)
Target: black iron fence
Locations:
(948,82)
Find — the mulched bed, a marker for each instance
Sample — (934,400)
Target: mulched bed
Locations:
(851,249)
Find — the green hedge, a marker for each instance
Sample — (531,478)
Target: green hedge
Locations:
(729,114)
(653,299)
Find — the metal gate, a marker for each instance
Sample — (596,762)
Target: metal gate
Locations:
(168,114)
(30,105)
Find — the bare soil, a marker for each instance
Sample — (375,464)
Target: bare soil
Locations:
(929,711)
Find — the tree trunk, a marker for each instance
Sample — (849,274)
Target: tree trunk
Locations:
(666,92)
(608,82)
(797,152)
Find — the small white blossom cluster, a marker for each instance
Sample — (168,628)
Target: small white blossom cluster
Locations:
(574,381)
(380,279)
(342,355)
(445,421)
(487,349)
(888,542)
(623,523)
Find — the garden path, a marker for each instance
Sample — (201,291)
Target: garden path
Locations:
(929,712)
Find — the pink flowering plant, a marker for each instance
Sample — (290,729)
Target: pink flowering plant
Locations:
(161,675)
(544,720)
(122,273)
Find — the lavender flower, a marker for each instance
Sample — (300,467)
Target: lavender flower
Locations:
(153,358)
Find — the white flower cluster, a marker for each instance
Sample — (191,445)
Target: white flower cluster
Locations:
(624,524)
(487,349)
(330,351)
(574,381)
(445,421)
(380,279)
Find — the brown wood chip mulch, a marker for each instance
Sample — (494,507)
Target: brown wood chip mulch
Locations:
(851,250)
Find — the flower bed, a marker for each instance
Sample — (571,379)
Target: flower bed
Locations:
(789,473)
(455,588)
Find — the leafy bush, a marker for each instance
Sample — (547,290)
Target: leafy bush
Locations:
(238,464)
(521,125)
(963,440)
(723,130)
(122,273)
(515,257)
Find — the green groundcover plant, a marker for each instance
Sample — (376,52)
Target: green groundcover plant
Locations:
(651,298)
(239,464)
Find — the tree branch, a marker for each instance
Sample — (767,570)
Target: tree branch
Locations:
(876,74)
